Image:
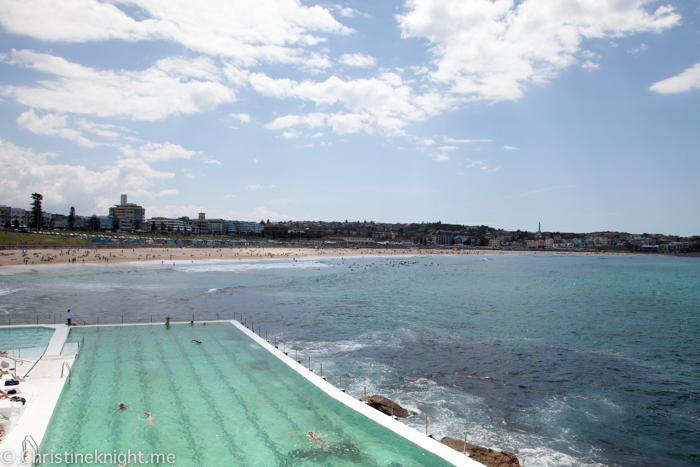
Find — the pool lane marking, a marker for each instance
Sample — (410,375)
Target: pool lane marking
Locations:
(261,401)
(233,450)
(133,397)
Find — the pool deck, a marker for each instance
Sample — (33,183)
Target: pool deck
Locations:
(44,380)
(429,444)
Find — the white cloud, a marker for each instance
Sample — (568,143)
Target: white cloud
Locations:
(253,187)
(262,213)
(386,103)
(511,148)
(448,148)
(291,134)
(170,87)
(25,172)
(52,125)
(212,161)
(358,60)
(250,33)
(189,175)
(156,152)
(494,49)
(427,142)
(468,163)
(242,118)
(174,211)
(316,135)
(635,50)
(589,65)
(439,156)
(687,81)
(230,196)
(452,140)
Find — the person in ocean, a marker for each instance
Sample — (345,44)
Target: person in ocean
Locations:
(150,418)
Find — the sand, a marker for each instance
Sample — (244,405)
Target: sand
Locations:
(47,256)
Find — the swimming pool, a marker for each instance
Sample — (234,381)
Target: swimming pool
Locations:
(25,342)
(226,401)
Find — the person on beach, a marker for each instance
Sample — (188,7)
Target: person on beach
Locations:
(69,317)
(150,418)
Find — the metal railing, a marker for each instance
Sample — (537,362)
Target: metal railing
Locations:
(29,443)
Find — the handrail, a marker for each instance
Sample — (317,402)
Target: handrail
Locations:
(65,364)
(29,440)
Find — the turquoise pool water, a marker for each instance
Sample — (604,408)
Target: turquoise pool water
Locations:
(227,401)
(29,342)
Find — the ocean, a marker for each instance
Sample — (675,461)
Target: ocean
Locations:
(565,360)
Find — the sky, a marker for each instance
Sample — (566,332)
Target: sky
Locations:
(579,114)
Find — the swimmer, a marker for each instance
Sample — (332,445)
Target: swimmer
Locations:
(150,418)
(317,439)
(196,341)
(122,406)
(192,322)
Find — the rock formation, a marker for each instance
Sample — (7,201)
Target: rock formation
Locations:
(386,405)
(486,456)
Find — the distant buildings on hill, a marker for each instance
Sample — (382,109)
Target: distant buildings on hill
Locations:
(129,217)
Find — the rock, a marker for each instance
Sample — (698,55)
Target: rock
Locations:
(386,405)
(486,456)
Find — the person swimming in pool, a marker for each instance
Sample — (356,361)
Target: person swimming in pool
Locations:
(196,341)
(122,406)
(317,439)
(150,418)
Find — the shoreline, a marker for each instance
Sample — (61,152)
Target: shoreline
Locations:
(43,255)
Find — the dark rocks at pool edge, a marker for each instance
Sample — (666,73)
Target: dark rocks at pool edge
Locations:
(486,456)
(387,406)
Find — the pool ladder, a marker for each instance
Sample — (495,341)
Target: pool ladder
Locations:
(29,443)
(65,364)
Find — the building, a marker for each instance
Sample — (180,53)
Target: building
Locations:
(275,231)
(166,225)
(131,216)
(20,215)
(495,243)
(5,215)
(202,224)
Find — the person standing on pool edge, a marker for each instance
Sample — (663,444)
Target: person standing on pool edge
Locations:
(69,317)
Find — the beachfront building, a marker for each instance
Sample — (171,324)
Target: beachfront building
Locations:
(19,216)
(166,225)
(130,216)
(5,215)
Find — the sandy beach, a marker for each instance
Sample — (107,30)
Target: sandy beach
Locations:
(47,256)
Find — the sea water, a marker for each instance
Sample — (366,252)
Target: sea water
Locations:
(568,360)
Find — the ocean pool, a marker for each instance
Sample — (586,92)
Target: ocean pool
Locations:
(226,401)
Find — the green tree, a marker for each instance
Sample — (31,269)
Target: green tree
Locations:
(8,224)
(16,223)
(153,227)
(137,224)
(162,227)
(94,223)
(71,218)
(115,224)
(36,210)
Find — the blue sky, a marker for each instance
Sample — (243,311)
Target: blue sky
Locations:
(581,114)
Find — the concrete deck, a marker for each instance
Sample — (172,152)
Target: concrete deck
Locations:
(45,385)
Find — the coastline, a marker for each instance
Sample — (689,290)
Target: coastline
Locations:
(40,254)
